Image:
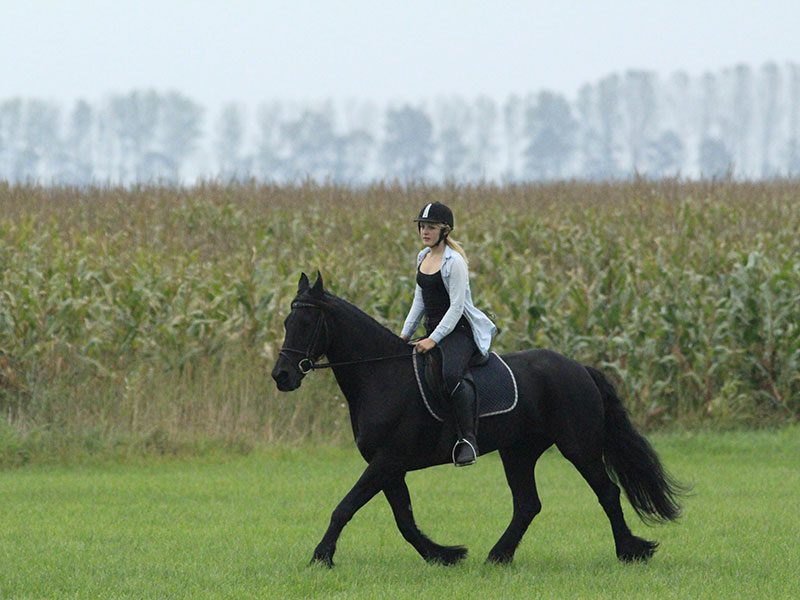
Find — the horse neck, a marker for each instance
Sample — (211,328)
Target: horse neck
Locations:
(355,336)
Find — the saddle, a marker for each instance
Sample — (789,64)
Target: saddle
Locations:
(495,384)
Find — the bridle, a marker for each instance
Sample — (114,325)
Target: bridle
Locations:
(306,364)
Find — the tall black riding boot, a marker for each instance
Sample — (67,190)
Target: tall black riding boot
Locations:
(463,399)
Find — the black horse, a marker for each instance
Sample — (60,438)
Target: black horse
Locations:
(560,402)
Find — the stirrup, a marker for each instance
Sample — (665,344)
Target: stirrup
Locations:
(474,453)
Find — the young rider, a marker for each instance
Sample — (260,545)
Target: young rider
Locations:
(452,323)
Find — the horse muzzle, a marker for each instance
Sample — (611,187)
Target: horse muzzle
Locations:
(287,379)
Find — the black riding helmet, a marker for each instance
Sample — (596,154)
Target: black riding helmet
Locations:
(438,213)
(435,212)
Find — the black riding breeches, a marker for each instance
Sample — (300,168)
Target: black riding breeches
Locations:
(456,349)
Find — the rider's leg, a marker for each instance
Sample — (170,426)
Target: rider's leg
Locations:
(465,409)
(457,349)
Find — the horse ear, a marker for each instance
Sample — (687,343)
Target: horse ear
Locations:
(318,289)
(303,284)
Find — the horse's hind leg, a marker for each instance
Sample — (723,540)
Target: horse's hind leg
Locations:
(628,546)
(518,464)
(396,492)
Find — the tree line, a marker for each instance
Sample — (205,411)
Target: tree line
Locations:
(741,122)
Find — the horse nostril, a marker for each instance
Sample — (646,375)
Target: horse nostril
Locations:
(280,376)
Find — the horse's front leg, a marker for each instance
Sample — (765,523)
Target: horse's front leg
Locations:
(372,480)
(396,492)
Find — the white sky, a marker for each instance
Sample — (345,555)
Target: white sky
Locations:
(251,51)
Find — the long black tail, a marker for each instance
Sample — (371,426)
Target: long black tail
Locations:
(633,463)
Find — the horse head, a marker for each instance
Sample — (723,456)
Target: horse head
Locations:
(307,335)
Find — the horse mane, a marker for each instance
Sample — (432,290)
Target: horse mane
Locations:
(357,313)
(337,303)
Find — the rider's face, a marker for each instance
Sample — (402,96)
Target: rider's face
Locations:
(429,233)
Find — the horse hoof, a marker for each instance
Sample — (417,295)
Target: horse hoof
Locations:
(637,550)
(321,559)
(500,558)
(447,555)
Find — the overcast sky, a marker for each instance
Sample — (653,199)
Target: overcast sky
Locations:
(250,51)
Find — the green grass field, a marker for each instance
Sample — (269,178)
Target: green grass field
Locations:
(245,527)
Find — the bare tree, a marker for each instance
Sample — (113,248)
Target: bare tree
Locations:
(135,119)
(483,149)
(80,142)
(353,154)
(453,120)
(10,134)
(181,129)
(793,143)
(665,155)
(709,106)
(551,129)
(408,145)
(233,165)
(715,160)
(41,146)
(739,124)
(640,115)
(769,96)
(513,123)
(312,145)
(609,118)
(268,162)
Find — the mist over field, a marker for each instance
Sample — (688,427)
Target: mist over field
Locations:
(741,121)
(447,91)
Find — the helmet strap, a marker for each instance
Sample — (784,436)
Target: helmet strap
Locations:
(442,236)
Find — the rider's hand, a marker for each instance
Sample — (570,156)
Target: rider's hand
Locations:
(425,345)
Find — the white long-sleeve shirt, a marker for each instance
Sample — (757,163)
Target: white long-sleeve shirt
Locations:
(455,276)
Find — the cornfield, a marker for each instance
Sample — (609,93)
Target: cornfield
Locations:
(150,317)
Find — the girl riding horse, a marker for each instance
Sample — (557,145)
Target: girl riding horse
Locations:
(454,327)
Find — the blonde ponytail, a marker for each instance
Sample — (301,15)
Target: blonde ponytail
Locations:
(455,245)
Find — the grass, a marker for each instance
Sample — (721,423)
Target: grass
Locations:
(245,527)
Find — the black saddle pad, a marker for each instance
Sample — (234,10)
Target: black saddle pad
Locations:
(495,385)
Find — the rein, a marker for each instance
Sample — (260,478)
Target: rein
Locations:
(312,366)
(307,364)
